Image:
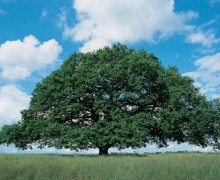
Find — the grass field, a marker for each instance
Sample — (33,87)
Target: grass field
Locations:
(173,166)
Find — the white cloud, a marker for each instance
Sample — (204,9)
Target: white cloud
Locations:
(209,63)
(203,35)
(200,149)
(207,39)
(207,74)
(211,22)
(44,13)
(18,59)
(215,96)
(212,2)
(12,101)
(102,23)
(2,11)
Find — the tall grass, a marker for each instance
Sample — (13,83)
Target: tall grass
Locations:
(153,166)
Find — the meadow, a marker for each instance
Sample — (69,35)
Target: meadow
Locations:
(167,166)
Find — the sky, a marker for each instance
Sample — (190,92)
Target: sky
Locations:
(37,36)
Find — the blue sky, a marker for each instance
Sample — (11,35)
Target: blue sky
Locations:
(36,36)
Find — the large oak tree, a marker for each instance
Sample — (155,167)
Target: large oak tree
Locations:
(114,97)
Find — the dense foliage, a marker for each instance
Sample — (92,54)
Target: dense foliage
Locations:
(114,97)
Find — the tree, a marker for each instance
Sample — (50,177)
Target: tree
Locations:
(215,106)
(114,97)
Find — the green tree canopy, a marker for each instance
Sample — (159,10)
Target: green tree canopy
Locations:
(114,97)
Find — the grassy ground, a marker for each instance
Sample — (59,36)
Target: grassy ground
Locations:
(172,166)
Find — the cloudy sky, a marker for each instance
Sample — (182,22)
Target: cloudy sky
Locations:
(36,36)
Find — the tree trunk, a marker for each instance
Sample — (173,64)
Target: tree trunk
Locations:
(103,150)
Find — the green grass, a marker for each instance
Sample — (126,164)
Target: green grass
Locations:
(173,166)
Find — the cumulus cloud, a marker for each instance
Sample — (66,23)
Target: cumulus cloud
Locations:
(209,63)
(205,36)
(19,58)
(12,101)
(207,74)
(102,23)
(206,39)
